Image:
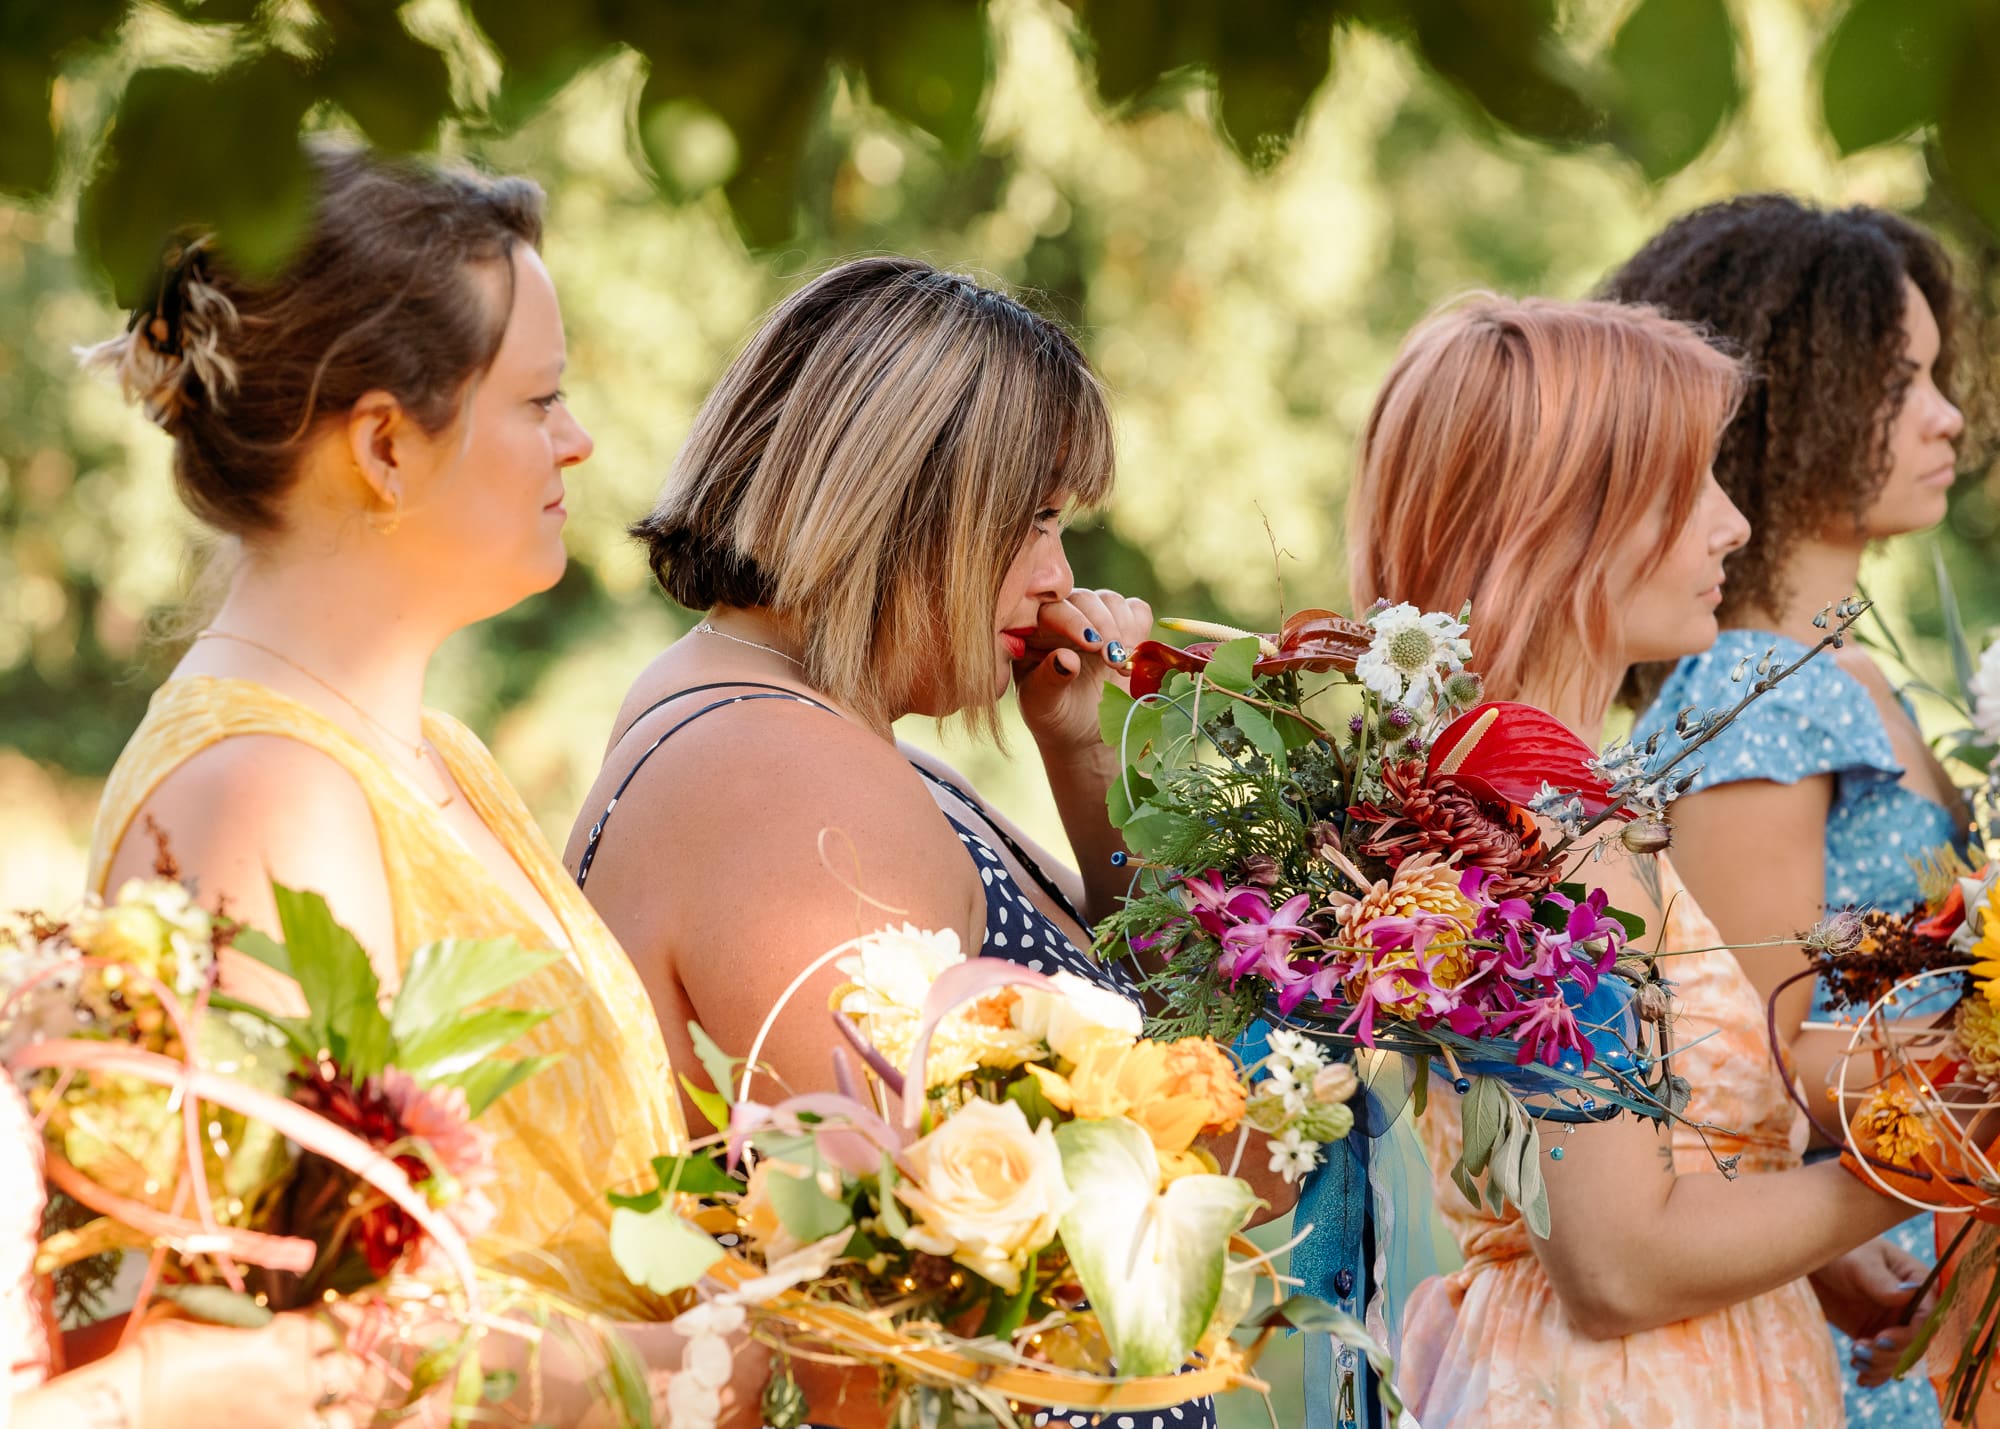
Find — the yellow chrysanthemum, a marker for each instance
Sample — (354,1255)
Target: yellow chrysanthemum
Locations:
(1977,1027)
(1893,1126)
(1422,885)
(1986,952)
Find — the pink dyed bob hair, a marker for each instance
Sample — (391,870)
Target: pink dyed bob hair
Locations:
(1513,448)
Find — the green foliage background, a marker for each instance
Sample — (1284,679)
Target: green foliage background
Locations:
(1241,314)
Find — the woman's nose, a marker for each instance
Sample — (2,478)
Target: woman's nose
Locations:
(575,445)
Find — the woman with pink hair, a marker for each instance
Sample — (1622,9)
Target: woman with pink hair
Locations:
(1550,462)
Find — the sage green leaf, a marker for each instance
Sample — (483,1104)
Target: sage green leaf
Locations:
(1481,1115)
(449,1048)
(218,1305)
(659,1250)
(1230,665)
(1151,1261)
(1534,1197)
(454,975)
(486,1082)
(720,1066)
(806,1212)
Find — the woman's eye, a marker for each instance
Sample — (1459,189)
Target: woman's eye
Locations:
(548,403)
(1046,518)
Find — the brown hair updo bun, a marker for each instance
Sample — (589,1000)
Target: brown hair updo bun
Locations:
(380,296)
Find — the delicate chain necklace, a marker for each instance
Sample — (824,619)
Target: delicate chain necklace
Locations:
(704,628)
(421,753)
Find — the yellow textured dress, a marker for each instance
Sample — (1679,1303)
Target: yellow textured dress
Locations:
(590,1122)
(1490,1345)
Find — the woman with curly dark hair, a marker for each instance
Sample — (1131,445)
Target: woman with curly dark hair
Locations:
(1823,792)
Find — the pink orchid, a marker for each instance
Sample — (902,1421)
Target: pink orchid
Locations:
(1261,939)
(1544,1026)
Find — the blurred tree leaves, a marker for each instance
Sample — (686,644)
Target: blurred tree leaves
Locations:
(734,92)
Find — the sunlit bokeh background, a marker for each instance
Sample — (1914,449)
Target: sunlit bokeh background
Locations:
(1241,320)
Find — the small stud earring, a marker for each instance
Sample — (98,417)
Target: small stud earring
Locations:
(386,522)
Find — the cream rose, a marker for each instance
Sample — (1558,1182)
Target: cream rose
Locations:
(985,1190)
(891,975)
(1076,1017)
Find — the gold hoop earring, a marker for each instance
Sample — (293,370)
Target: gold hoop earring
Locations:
(386,522)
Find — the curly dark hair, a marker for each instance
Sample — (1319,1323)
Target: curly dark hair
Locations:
(1813,300)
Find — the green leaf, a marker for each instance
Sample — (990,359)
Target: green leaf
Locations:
(247,180)
(1665,112)
(720,1066)
(338,981)
(1027,1094)
(1230,665)
(806,1212)
(1532,1190)
(1482,1115)
(268,951)
(218,1305)
(1112,707)
(396,87)
(449,1048)
(1007,1313)
(1315,1316)
(929,62)
(453,975)
(1127,796)
(488,1081)
(1885,68)
(696,1175)
(712,1105)
(659,1250)
(1260,731)
(1151,1261)
(1963,666)
(1968,128)
(888,1209)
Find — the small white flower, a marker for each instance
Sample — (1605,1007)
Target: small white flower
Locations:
(1292,1156)
(1291,1050)
(1412,654)
(1984,687)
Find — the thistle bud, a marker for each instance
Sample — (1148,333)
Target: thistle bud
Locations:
(1836,933)
(1262,870)
(1463,689)
(1646,836)
(1399,717)
(1652,1003)
(1335,1082)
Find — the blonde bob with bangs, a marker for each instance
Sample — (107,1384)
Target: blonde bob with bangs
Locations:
(1512,448)
(869,467)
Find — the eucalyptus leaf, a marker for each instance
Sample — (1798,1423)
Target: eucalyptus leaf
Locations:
(806,1212)
(659,1250)
(1150,1260)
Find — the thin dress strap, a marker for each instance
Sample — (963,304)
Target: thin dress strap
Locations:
(1027,861)
(766,692)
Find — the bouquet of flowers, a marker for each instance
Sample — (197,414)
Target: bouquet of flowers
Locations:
(1331,830)
(263,1162)
(1020,1201)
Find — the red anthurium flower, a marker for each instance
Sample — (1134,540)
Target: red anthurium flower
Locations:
(1508,751)
(1943,923)
(1310,640)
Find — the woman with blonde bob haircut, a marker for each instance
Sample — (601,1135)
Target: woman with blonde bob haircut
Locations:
(1550,462)
(869,509)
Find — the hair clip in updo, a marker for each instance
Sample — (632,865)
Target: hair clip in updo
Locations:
(178,335)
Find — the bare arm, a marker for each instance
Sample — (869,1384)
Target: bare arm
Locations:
(1635,1246)
(255,809)
(1753,855)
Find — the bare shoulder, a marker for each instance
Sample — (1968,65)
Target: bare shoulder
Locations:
(254,809)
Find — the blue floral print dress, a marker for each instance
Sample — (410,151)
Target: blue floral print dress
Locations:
(1823,721)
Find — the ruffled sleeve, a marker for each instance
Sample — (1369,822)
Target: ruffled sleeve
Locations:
(1819,721)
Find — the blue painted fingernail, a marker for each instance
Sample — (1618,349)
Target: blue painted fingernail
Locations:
(1115,653)
(1089,636)
(1865,1353)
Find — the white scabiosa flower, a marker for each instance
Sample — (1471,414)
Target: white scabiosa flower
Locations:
(1412,653)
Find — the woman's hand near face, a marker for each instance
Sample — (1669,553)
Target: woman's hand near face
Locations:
(1067,666)
(1061,683)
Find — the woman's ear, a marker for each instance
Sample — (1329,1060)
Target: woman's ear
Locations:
(376,427)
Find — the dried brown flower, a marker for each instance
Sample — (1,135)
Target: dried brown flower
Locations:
(1860,967)
(1446,816)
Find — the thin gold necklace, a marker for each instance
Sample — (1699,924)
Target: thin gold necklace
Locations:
(704,628)
(421,753)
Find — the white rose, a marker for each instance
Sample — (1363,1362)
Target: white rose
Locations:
(985,1190)
(1079,1014)
(892,975)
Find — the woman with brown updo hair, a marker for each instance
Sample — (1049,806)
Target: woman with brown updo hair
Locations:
(379,431)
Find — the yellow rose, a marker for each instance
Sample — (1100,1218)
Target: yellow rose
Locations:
(1076,1015)
(985,1190)
(1176,1091)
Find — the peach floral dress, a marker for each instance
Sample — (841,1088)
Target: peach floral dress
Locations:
(1490,1345)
